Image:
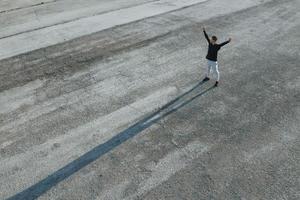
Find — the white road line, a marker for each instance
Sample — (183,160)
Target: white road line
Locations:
(74,143)
(170,165)
(8,5)
(165,168)
(46,15)
(37,39)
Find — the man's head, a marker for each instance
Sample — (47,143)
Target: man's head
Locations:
(213,39)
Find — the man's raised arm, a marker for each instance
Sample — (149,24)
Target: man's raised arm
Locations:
(206,36)
(228,41)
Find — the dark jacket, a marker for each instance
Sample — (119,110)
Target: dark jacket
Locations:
(213,49)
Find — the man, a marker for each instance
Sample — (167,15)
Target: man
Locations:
(212,56)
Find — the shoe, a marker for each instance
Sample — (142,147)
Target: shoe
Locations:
(217,83)
(205,79)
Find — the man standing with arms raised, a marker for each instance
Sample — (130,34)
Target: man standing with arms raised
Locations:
(212,56)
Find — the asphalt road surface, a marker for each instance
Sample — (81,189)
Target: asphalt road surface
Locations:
(103,100)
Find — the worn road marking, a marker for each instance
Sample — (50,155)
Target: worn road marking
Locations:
(53,179)
(37,39)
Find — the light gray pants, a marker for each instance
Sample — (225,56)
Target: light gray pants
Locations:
(213,65)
